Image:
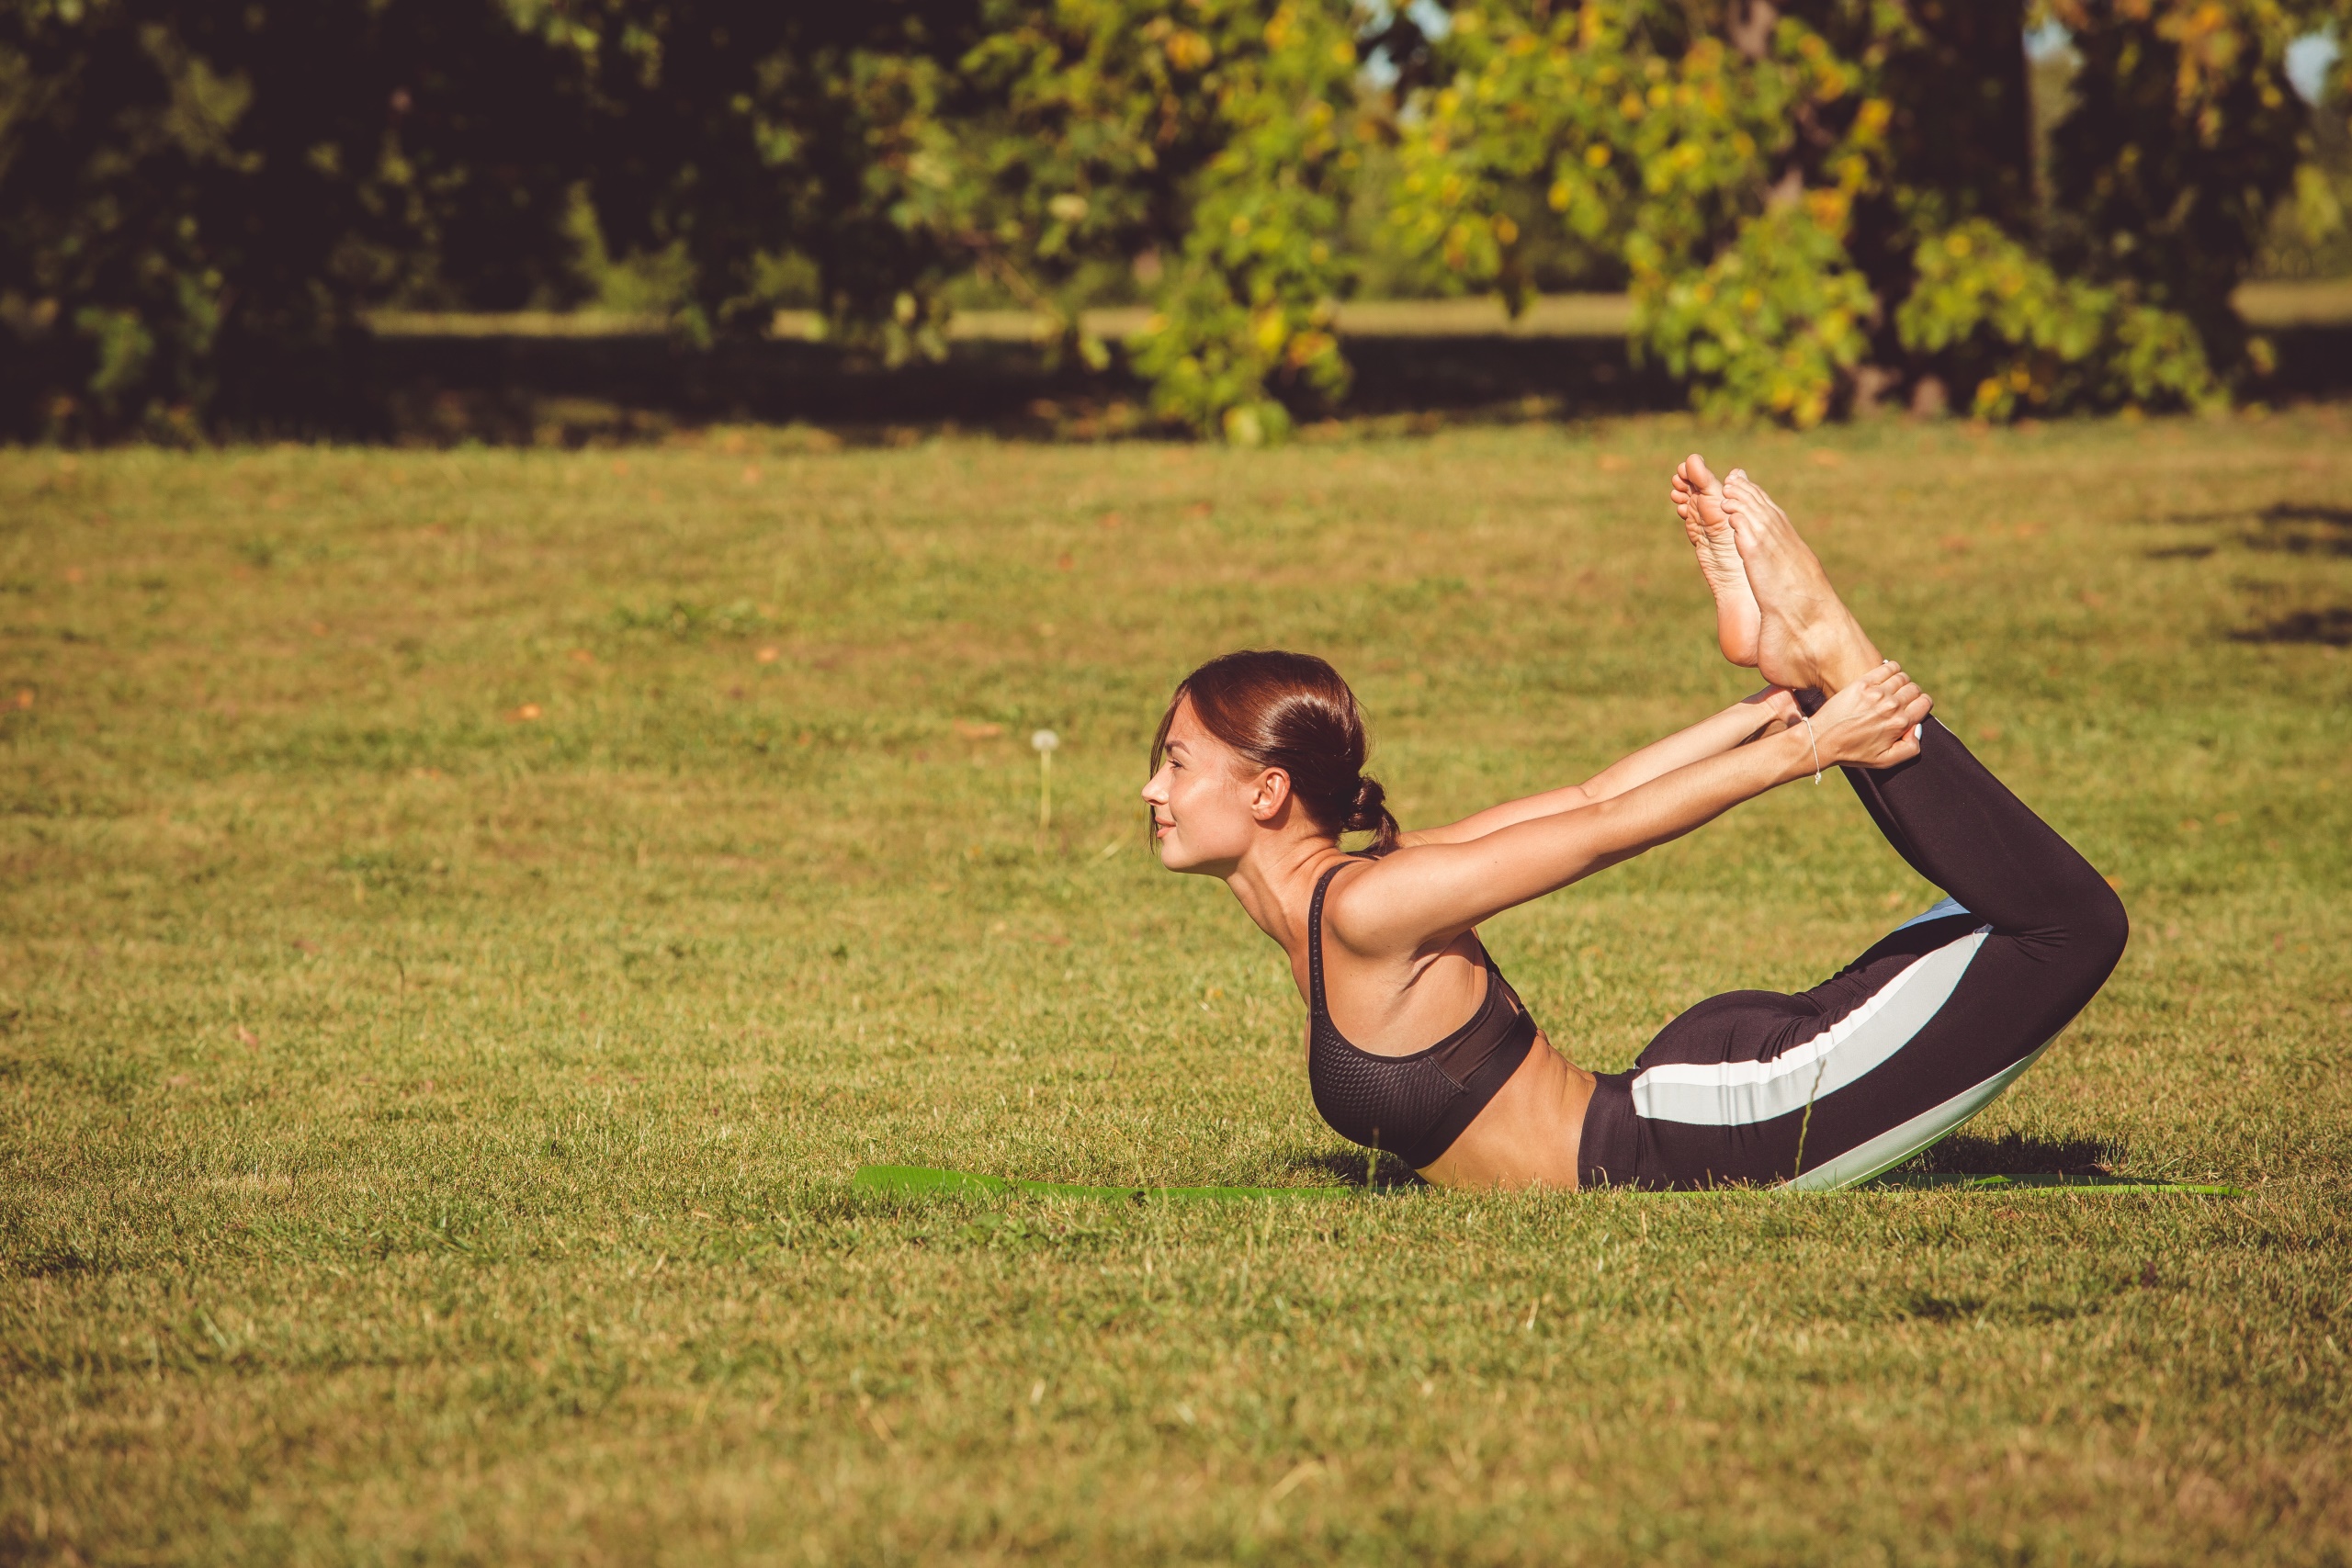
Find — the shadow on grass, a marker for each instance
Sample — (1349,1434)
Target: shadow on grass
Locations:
(2287,528)
(2283,527)
(1378,1173)
(2330,627)
(2290,512)
(2302,528)
(1963,1154)
(2013,1154)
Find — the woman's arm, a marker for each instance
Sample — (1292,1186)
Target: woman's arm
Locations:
(1427,895)
(1741,722)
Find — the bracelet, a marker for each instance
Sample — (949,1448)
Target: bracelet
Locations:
(1807,720)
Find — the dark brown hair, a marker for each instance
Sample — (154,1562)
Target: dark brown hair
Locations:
(1290,711)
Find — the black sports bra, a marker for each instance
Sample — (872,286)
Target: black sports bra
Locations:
(1413,1106)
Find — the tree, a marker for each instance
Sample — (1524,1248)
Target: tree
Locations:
(748,135)
(197,199)
(1826,199)
(1816,201)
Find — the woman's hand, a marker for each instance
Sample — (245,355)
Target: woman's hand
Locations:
(1870,723)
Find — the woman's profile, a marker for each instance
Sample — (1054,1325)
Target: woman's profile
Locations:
(1416,1042)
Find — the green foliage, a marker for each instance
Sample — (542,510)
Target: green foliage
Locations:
(1771,324)
(1209,145)
(196,199)
(2310,237)
(1083,124)
(1635,133)
(752,143)
(1990,314)
(2185,134)
(1252,302)
(195,204)
(1725,177)
(1779,184)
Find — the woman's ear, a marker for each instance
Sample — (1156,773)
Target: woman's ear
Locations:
(1271,794)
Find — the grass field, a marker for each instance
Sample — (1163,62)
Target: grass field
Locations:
(468,914)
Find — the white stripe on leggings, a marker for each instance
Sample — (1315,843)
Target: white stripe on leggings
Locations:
(1729,1094)
(1896,1145)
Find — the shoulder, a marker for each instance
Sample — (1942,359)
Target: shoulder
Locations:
(1366,895)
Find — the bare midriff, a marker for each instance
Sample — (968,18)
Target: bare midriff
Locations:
(1529,1134)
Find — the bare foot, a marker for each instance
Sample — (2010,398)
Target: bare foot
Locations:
(1806,636)
(1699,502)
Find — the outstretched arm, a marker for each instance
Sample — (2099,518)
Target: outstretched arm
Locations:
(1743,721)
(1427,894)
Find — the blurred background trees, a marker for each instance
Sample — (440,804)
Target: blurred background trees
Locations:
(1816,204)
(195,199)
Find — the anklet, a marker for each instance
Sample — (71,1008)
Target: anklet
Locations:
(1807,720)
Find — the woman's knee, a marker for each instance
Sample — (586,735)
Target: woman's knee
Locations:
(2097,929)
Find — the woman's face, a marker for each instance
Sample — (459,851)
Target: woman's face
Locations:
(1207,806)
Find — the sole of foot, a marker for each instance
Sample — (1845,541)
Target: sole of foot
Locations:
(1806,635)
(1698,497)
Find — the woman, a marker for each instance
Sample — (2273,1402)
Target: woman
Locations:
(1256,770)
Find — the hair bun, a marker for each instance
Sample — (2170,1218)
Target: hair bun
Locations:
(1368,809)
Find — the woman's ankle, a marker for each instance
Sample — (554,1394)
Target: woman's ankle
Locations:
(1855,657)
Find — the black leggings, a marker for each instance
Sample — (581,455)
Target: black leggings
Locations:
(1833,1085)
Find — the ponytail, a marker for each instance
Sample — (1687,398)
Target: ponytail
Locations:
(1370,814)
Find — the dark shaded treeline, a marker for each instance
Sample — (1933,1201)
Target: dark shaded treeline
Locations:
(576,389)
(197,199)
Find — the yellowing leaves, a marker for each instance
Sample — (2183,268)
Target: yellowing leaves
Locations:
(1188,50)
(1310,346)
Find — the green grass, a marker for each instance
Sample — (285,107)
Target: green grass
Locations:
(425,1129)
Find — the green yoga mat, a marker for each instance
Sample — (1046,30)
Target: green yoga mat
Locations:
(917,1179)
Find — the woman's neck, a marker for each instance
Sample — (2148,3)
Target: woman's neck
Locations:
(1268,883)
